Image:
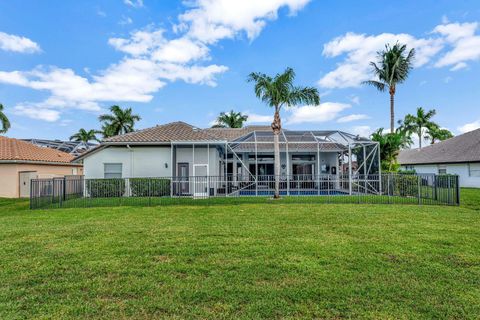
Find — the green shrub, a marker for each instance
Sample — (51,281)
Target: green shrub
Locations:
(150,187)
(404,185)
(106,188)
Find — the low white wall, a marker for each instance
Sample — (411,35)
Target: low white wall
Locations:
(136,162)
(460,169)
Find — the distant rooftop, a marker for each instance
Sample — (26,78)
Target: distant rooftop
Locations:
(459,149)
(74,148)
(18,151)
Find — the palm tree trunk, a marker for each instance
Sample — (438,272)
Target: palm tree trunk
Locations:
(392,110)
(420,138)
(276,127)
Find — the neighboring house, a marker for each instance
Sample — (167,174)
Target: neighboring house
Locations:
(459,155)
(21,161)
(236,155)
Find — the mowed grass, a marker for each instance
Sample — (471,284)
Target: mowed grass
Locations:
(246,261)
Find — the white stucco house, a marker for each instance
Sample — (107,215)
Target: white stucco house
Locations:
(179,151)
(459,155)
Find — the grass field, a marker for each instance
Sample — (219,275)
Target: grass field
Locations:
(284,260)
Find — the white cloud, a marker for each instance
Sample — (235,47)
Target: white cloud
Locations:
(212,20)
(469,126)
(134,3)
(357,50)
(151,59)
(352,117)
(326,111)
(355,99)
(258,118)
(10,42)
(465,44)
(35,112)
(362,131)
(360,49)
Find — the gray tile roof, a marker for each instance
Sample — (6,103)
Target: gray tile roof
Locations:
(462,148)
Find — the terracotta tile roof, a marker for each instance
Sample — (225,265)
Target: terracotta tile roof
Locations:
(181,131)
(462,148)
(18,150)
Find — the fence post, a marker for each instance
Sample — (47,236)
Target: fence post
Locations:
(457,189)
(448,190)
(418,188)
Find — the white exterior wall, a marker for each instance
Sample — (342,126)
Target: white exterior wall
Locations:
(460,169)
(136,162)
(199,155)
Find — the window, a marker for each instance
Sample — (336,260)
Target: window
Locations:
(474,169)
(303,157)
(112,170)
(442,169)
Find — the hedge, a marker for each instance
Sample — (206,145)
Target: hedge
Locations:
(150,187)
(106,188)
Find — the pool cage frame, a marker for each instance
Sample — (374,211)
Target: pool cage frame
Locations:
(365,176)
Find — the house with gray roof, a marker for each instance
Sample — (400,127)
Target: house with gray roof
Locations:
(459,155)
(181,150)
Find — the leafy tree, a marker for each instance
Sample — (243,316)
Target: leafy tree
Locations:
(393,66)
(434,133)
(418,123)
(390,146)
(4,120)
(120,121)
(276,92)
(85,136)
(230,120)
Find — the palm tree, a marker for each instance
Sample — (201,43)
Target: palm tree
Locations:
(277,92)
(230,120)
(120,121)
(435,133)
(392,69)
(390,146)
(4,120)
(416,124)
(85,136)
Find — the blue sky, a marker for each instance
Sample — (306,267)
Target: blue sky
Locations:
(63,63)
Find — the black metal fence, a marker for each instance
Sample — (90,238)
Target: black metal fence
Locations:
(76,191)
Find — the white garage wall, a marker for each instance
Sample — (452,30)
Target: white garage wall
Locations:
(136,162)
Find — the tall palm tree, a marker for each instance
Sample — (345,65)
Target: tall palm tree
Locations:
(418,123)
(120,121)
(230,120)
(393,67)
(4,120)
(85,136)
(277,92)
(434,133)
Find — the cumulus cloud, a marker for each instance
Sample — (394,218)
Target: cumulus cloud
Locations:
(362,131)
(35,112)
(464,42)
(459,40)
(326,111)
(258,118)
(212,20)
(352,117)
(151,59)
(359,49)
(469,126)
(10,42)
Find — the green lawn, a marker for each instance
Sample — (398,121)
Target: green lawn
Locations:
(285,260)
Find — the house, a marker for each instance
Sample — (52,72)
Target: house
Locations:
(21,161)
(459,155)
(228,157)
